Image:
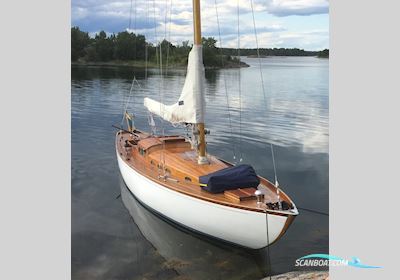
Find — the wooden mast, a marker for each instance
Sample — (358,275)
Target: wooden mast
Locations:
(197,41)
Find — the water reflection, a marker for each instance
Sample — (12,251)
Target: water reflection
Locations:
(191,255)
(106,244)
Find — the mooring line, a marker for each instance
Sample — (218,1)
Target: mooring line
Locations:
(313,211)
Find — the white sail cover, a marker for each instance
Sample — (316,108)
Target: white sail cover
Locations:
(190,106)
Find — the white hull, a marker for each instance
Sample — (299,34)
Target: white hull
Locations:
(238,226)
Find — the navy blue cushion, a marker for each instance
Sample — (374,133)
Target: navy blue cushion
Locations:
(240,176)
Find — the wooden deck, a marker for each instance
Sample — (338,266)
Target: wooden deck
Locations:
(172,163)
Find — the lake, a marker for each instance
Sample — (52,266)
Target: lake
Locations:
(115,237)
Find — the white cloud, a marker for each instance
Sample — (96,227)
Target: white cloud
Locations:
(113,16)
(296,7)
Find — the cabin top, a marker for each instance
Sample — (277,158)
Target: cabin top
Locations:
(184,163)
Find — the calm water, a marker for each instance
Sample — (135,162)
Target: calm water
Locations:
(114,237)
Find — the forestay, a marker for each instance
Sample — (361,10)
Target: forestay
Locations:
(190,106)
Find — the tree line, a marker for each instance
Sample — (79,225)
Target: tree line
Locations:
(324,54)
(271,52)
(126,46)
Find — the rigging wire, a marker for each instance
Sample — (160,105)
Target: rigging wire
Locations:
(239,82)
(169,35)
(135,31)
(128,100)
(224,78)
(160,89)
(273,163)
(162,86)
(263,90)
(276,177)
(125,98)
(130,17)
(146,48)
(155,31)
(134,22)
(258,50)
(165,23)
(123,104)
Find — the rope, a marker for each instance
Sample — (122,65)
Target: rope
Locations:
(313,211)
(224,77)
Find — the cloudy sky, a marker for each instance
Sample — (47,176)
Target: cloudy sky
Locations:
(280,23)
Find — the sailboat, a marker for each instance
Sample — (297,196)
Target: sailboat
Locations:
(175,177)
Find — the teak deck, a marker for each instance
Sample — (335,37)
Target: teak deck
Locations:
(171,162)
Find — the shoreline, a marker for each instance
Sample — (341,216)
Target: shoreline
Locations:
(151,65)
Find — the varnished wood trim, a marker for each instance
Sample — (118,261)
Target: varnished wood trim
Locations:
(288,222)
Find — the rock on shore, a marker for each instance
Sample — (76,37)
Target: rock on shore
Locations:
(301,275)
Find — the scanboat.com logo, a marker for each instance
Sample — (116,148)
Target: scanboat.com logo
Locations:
(329,260)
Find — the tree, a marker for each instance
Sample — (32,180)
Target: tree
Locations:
(129,46)
(140,46)
(125,46)
(181,52)
(209,42)
(104,46)
(210,52)
(324,53)
(79,42)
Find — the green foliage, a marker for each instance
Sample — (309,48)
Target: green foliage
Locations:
(324,54)
(270,52)
(210,52)
(126,46)
(79,42)
(104,47)
(129,46)
(209,43)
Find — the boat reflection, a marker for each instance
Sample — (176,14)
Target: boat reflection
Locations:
(193,255)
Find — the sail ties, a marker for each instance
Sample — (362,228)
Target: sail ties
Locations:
(190,105)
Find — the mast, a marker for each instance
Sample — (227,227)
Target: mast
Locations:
(202,159)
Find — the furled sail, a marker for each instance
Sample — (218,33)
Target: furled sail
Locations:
(190,106)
